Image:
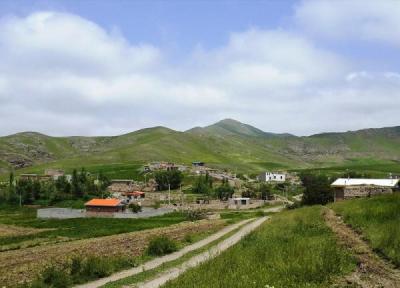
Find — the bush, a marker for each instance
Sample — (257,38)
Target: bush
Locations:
(194,215)
(188,238)
(157,204)
(135,207)
(96,267)
(294,205)
(53,276)
(161,246)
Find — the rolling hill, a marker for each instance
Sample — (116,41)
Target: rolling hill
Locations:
(227,143)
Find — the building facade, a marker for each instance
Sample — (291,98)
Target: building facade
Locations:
(271,177)
(347,188)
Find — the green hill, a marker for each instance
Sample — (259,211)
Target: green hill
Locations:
(228,144)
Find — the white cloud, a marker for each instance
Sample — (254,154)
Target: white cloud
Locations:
(65,75)
(353,20)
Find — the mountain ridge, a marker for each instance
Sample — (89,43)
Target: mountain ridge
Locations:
(225,143)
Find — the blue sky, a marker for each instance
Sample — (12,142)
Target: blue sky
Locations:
(110,67)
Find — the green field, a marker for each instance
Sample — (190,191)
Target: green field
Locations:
(72,229)
(296,249)
(378,219)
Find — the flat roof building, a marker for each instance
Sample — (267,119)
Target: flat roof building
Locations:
(347,188)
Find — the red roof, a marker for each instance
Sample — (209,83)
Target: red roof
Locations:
(134,193)
(104,202)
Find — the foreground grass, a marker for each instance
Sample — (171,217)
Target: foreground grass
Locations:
(79,228)
(295,249)
(378,219)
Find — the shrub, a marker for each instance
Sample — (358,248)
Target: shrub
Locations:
(161,246)
(53,276)
(157,204)
(135,207)
(96,267)
(294,205)
(193,215)
(188,238)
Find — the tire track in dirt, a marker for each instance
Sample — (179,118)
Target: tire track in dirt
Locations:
(372,271)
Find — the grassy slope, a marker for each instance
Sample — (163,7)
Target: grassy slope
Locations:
(295,250)
(240,147)
(378,219)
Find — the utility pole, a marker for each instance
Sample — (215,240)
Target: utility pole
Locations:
(169,194)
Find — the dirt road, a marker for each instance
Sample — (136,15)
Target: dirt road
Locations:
(161,260)
(372,271)
(198,259)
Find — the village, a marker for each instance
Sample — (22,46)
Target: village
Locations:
(127,198)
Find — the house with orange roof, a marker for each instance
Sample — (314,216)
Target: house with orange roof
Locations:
(105,205)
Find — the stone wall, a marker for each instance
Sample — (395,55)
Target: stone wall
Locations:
(365,191)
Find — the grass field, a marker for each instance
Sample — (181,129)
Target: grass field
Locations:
(378,219)
(296,249)
(71,229)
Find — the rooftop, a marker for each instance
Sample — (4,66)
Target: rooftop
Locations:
(104,202)
(342,182)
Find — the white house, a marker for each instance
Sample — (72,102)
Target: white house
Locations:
(272,177)
(347,188)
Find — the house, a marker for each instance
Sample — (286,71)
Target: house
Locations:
(54,173)
(166,166)
(197,163)
(35,177)
(347,188)
(239,202)
(271,177)
(104,205)
(119,186)
(135,195)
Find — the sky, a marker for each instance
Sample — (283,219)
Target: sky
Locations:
(112,67)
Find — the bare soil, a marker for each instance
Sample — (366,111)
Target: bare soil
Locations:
(24,264)
(372,271)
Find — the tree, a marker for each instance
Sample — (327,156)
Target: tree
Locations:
(76,186)
(165,178)
(24,189)
(203,185)
(265,191)
(317,189)
(224,191)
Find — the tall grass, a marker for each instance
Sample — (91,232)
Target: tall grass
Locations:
(296,249)
(378,219)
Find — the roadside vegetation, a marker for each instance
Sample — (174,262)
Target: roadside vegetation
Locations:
(378,220)
(296,249)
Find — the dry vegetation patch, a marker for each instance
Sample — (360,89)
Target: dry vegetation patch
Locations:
(12,231)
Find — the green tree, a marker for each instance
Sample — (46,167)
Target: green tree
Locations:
(165,178)
(317,189)
(76,186)
(224,191)
(202,185)
(265,191)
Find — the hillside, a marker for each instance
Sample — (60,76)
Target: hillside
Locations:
(227,143)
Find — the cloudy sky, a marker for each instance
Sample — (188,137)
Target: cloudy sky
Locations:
(111,67)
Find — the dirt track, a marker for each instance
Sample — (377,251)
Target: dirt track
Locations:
(164,259)
(23,264)
(372,271)
(198,259)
